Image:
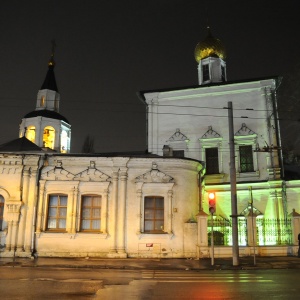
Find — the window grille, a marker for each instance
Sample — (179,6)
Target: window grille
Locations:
(246,158)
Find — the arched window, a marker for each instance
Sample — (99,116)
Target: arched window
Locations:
(49,137)
(1,211)
(30,133)
(43,101)
(64,142)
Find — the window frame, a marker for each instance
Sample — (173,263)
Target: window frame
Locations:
(163,189)
(57,218)
(212,142)
(246,140)
(90,217)
(244,155)
(155,209)
(214,158)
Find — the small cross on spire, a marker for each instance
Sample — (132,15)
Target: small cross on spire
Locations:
(51,61)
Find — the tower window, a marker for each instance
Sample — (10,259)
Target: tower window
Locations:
(49,137)
(205,72)
(30,133)
(222,73)
(43,100)
(56,104)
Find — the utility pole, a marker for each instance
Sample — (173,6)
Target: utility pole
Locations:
(234,216)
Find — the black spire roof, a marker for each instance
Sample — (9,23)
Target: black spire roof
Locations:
(50,82)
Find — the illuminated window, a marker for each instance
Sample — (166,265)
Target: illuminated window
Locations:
(246,158)
(1,212)
(154,214)
(205,72)
(49,137)
(43,101)
(57,212)
(64,142)
(90,213)
(30,133)
(212,160)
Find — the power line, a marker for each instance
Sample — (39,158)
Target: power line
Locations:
(158,105)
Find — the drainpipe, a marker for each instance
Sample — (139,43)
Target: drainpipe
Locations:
(41,162)
(200,179)
(277,130)
(21,200)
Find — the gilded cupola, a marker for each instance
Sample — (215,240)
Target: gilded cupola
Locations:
(210,47)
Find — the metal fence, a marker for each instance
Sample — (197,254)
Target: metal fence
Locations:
(274,231)
(269,231)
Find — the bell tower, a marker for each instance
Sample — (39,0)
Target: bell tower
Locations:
(210,56)
(45,126)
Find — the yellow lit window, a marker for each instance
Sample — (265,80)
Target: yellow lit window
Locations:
(43,100)
(49,137)
(30,133)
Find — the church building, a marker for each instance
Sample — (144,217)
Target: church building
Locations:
(155,204)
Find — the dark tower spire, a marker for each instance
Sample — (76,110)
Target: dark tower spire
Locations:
(50,82)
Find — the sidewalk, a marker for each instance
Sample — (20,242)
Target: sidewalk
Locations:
(245,263)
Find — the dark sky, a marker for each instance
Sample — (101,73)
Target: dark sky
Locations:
(107,50)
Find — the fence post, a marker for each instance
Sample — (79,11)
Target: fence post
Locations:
(251,229)
(295,226)
(202,238)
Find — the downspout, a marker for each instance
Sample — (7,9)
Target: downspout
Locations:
(143,100)
(41,162)
(21,200)
(200,180)
(276,121)
(21,179)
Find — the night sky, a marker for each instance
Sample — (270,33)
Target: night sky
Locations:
(107,51)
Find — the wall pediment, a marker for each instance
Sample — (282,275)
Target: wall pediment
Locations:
(154,175)
(92,174)
(89,174)
(244,130)
(57,173)
(178,137)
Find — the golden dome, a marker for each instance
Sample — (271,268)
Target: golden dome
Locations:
(210,47)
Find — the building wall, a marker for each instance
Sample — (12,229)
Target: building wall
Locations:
(122,183)
(193,111)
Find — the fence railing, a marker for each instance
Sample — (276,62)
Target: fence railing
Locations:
(274,231)
(268,231)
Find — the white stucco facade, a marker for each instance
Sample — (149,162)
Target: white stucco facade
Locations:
(122,183)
